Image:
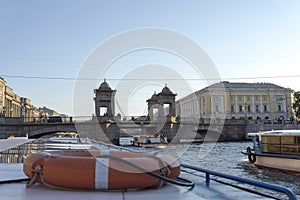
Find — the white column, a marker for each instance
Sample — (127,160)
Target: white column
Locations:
(253,105)
(222,104)
(211,105)
(275,104)
(236,104)
(191,108)
(261,106)
(245,109)
(284,103)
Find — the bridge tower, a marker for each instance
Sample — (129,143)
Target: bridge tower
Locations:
(105,112)
(161,108)
(104,101)
(162,104)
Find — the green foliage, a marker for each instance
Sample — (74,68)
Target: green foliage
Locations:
(296,105)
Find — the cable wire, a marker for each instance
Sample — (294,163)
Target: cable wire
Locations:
(143,79)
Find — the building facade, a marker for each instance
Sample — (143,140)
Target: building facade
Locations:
(2,96)
(239,101)
(12,105)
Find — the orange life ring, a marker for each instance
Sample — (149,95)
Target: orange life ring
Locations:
(99,170)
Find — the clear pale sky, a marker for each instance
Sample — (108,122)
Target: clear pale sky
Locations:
(248,41)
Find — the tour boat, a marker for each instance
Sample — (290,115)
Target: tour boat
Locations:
(126,141)
(156,141)
(278,149)
(56,143)
(89,174)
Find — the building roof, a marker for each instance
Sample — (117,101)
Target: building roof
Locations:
(166,90)
(104,85)
(154,96)
(226,84)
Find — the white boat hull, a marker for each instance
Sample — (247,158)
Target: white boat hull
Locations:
(284,164)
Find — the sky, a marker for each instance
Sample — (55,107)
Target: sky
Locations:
(45,45)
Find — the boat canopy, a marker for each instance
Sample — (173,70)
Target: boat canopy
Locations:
(276,132)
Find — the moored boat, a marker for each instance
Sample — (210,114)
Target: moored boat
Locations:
(126,141)
(279,149)
(157,140)
(56,143)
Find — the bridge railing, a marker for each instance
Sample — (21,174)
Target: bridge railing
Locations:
(22,120)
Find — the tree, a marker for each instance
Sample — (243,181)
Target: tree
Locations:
(296,105)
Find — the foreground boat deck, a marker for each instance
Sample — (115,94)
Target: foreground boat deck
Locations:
(18,190)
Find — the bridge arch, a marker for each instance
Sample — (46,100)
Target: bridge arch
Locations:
(42,131)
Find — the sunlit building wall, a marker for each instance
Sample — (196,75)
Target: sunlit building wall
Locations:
(2,95)
(237,100)
(12,103)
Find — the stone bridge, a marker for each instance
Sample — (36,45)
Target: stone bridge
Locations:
(34,130)
(110,130)
(231,130)
(104,130)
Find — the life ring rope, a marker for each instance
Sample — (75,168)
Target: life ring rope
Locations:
(251,156)
(38,171)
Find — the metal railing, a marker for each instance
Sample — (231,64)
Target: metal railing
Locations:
(276,188)
(19,153)
(273,187)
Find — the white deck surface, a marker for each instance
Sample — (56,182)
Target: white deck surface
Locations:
(18,191)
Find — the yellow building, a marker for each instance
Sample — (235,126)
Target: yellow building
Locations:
(2,95)
(12,103)
(238,100)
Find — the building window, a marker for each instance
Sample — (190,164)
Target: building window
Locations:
(279,108)
(257,108)
(265,108)
(241,108)
(249,108)
(216,108)
(232,108)
(248,98)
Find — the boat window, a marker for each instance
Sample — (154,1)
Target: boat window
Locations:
(289,145)
(281,144)
(270,144)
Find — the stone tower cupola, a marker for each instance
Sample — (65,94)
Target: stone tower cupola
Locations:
(162,104)
(104,100)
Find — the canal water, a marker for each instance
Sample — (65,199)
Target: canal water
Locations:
(226,157)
